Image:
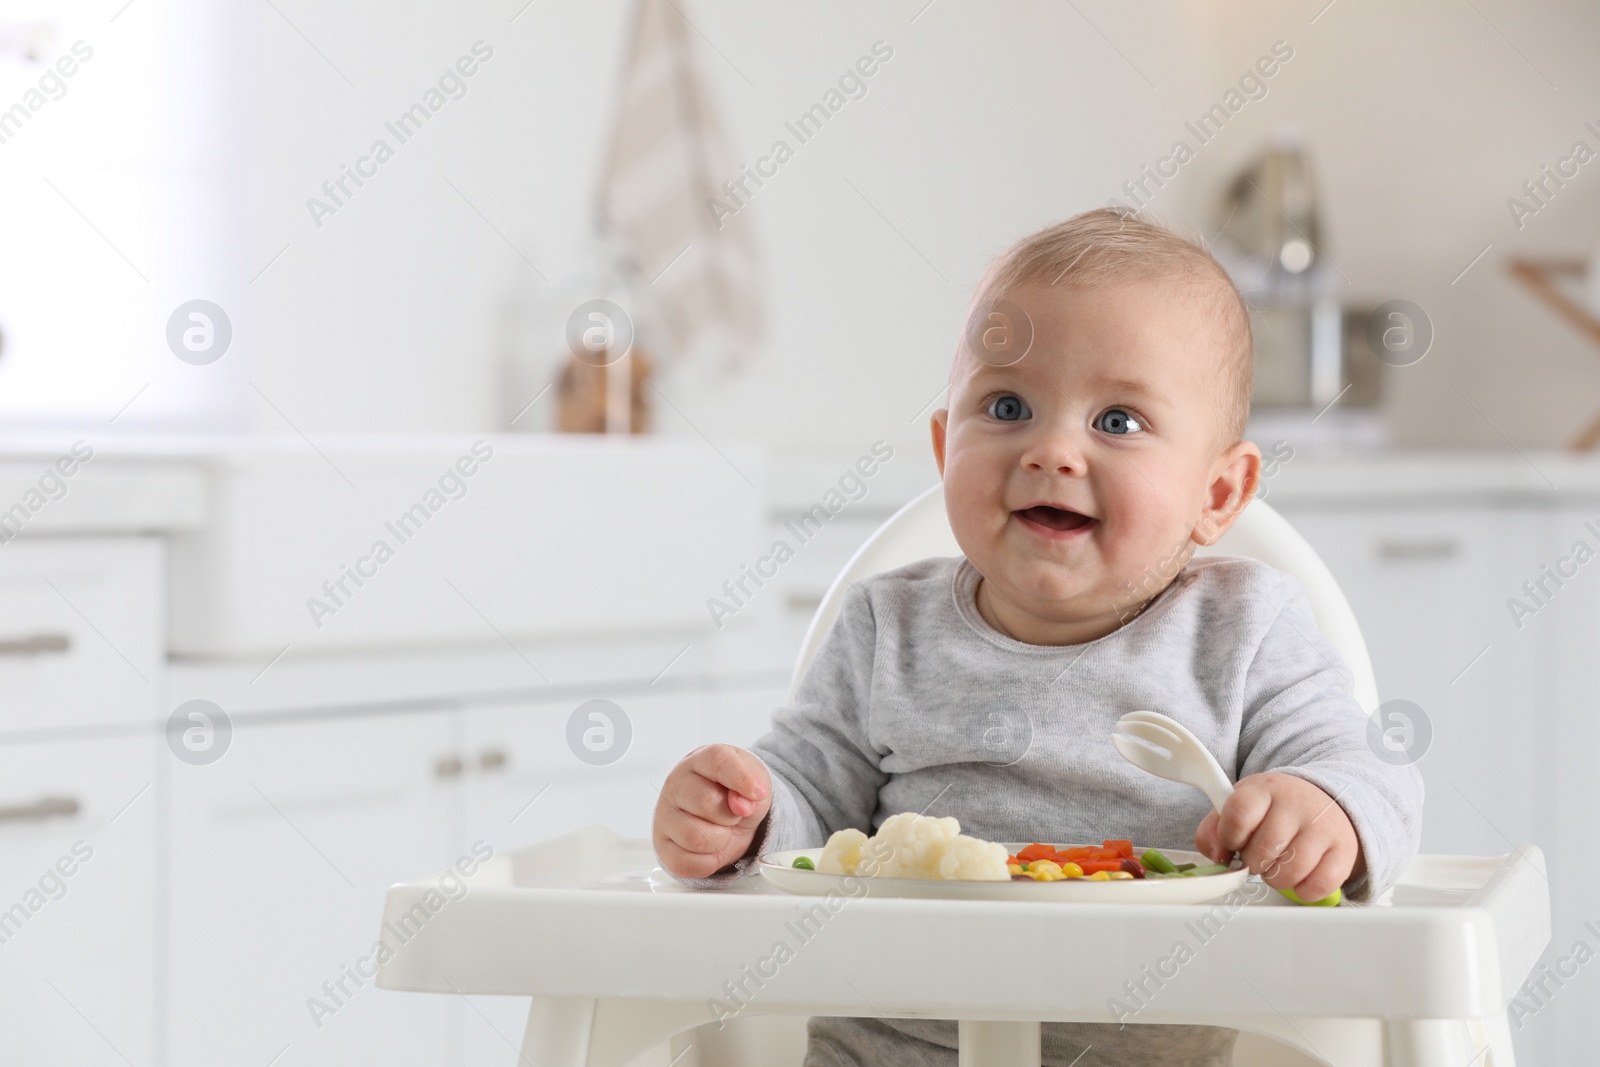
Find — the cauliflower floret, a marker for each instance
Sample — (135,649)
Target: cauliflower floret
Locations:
(909,845)
(842,853)
(975,860)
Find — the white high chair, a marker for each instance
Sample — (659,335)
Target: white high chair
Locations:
(622,965)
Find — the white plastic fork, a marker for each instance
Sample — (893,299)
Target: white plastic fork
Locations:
(1163,746)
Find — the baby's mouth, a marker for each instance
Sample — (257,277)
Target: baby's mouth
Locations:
(1053,518)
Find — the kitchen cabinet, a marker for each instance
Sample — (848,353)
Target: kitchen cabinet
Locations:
(78,905)
(1564,1004)
(81,636)
(518,752)
(1429,586)
(515,527)
(280,854)
(1570,621)
(281,851)
(524,784)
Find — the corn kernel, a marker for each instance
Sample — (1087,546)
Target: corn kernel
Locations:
(1120,876)
(1071,870)
(1100,876)
(1014,868)
(1045,870)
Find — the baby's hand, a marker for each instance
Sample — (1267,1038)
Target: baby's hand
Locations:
(710,807)
(1286,830)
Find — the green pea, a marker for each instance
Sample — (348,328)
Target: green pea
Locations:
(804,864)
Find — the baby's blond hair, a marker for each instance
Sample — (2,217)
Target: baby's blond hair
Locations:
(1106,246)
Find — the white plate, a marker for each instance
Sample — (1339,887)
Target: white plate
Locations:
(776,867)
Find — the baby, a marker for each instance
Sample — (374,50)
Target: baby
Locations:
(1093,441)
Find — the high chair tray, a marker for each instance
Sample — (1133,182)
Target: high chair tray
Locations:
(591,914)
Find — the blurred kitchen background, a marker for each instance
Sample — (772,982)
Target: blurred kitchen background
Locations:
(241,345)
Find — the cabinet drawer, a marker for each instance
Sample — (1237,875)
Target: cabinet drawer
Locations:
(81,627)
(78,903)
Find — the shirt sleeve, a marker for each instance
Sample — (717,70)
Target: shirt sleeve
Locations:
(1301,717)
(825,771)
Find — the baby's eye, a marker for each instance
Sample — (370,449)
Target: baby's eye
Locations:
(1009,408)
(1118,421)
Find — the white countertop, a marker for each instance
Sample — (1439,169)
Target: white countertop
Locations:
(1459,475)
(1468,476)
(103,496)
(141,483)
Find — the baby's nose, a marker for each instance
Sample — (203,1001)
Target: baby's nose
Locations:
(1060,452)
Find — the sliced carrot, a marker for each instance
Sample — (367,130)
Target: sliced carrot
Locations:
(1107,856)
(1123,848)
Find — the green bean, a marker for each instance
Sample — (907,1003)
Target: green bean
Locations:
(1329,901)
(1208,869)
(804,864)
(1153,860)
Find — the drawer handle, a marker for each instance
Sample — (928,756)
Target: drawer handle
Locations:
(1435,548)
(43,808)
(36,645)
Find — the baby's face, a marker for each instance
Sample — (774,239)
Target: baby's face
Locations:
(1076,477)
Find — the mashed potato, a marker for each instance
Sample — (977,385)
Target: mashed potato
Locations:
(909,845)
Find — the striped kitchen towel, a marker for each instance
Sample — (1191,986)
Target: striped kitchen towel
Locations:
(659,193)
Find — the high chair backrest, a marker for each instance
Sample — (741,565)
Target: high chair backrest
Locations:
(921,529)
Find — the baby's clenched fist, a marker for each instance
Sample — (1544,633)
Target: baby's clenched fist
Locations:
(1288,831)
(710,807)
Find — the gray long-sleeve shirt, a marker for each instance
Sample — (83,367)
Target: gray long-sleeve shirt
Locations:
(915,703)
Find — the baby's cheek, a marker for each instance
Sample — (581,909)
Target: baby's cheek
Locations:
(976,512)
(966,526)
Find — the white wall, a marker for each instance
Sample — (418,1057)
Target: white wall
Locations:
(991,119)
(388,317)
(1425,116)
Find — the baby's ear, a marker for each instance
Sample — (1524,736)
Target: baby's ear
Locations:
(1234,479)
(938,425)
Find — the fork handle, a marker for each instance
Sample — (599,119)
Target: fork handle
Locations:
(1217,787)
